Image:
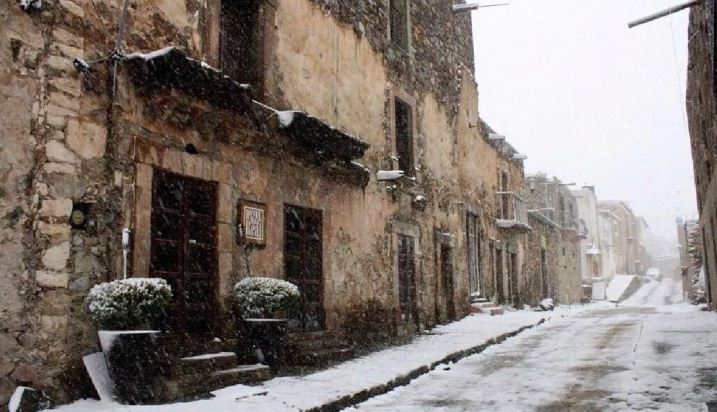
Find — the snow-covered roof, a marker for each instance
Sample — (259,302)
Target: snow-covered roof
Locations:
(328,142)
(171,67)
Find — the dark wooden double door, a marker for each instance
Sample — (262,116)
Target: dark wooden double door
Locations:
(303,265)
(184,248)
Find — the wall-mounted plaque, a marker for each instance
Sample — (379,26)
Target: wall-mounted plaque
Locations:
(252,218)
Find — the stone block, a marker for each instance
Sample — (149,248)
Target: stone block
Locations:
(118,178)
(56,232)
(193,165)
(62,168)
(25,373)
(57,152)
(59,63)
(53,324)
(48,279)
(56,256)
(56,208)
(86,262)
(73,8)
(88,140)
(66,50)
(72,87)
(58,122)
(58,111)
(64,36)
(144,176)
(62,100)
(225,237)
(226,204)
(226,267)
(223,172)
(145,152)
(172,161)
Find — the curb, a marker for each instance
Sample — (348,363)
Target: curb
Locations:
(403,380)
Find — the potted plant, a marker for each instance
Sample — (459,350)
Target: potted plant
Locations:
(264,304)
(126,311)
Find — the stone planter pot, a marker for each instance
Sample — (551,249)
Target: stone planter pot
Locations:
(268,338)
(133,364)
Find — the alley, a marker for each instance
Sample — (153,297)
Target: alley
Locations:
(650,352)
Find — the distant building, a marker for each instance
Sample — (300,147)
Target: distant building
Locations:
(590,247)
(627,250)
(554,262)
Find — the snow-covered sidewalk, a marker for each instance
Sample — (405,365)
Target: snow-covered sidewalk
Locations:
(356,380)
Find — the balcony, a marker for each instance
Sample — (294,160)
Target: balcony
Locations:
(570,225)
(512,213)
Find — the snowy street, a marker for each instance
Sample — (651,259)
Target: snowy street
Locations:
(648,353)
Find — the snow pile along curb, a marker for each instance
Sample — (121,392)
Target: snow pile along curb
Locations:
(366,394)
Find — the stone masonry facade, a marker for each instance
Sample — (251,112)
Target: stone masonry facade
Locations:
(81,148)
(702,121)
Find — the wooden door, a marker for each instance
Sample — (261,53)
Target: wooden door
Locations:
(183,248)
(514,296)
(407,278)
(303,264)
(474,260)
(544,272)
(447,272)
(500,294)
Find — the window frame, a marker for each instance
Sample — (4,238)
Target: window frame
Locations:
(405,45)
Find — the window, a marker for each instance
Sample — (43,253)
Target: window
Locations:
(240,40)
(404,137)
(399,23)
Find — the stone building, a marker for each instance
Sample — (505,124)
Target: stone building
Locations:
(689,235)
(702,121)
(233,141)
(590,247)
(626,241)
(555,254)
(507,248)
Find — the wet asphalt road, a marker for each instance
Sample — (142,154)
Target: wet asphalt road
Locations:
(649,353)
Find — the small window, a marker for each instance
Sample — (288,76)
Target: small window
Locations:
(240,40)
(399,23)
(404,137)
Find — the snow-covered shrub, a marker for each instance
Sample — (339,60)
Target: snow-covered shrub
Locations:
(129,303)
(263,297)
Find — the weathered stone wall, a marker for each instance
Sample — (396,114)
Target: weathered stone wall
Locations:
(56,143)
(702,119)
(65,145)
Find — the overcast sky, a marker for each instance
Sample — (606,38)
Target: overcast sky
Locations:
(591,101)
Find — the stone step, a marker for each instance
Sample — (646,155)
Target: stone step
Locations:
(496,311)
(483,307)
(241,375)
(478,299)
(321,357)
(189,387)
(314,345)
(309,336)
(204,363)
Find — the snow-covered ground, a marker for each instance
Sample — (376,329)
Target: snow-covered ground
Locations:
(650,352)
(617,287)
(296,393)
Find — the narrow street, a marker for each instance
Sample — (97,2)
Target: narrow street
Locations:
(647,353)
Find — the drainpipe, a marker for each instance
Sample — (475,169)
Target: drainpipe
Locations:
(126,233)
